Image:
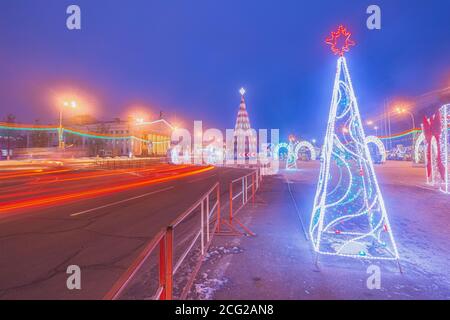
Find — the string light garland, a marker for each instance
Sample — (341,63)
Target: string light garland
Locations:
(380,146)
(306,145)
(291,159)
(349,217)
(418,149)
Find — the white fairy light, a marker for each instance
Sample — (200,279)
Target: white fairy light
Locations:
(307,145)
(350,219)
(419,141)
(379,144)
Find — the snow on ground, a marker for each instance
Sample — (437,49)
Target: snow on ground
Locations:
(279,262)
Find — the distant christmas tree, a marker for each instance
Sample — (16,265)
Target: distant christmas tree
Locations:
(349,216)
(244,136)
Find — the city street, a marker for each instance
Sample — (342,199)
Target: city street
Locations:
(100,220)
(209,152)
(279,262)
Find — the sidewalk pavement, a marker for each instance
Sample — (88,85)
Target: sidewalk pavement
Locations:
(278,263)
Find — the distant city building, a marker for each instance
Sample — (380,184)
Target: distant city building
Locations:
(133,139)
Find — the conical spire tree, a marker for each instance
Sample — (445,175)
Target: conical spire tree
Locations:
(349,216)
(242,119)
(245,137)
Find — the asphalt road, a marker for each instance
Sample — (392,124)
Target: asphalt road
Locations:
(100,220)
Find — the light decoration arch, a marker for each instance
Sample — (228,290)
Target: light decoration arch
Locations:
(419,141)
(379,144)
(277,148)
(307,145)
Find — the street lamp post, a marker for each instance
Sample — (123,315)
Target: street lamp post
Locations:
(72,104)
(371,122)
(412,119)
(403,111)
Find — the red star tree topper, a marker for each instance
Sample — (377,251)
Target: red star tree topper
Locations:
(340,41)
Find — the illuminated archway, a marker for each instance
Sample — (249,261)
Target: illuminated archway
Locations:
(291,160)
(379,144)
(307,145)
(420,141)
(278,147)
(434,176)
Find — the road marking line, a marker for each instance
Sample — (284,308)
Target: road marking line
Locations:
(200,179)
(121,201)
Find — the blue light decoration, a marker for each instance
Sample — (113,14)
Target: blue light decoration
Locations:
(349,216)
(291,159)
(380,146)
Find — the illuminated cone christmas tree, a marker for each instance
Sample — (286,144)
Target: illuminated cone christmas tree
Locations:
(242,119)
(349,217)
(244,136)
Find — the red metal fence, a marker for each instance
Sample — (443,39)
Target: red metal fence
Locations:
(170,257)
(239,191)
(208,206)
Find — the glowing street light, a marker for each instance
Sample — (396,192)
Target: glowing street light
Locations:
(376,130)
(369,122)
(401,110)
(72,104)
(67,103)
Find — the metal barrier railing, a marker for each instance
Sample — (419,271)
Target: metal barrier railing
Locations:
(169,263)
(127,276)
(238,197)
